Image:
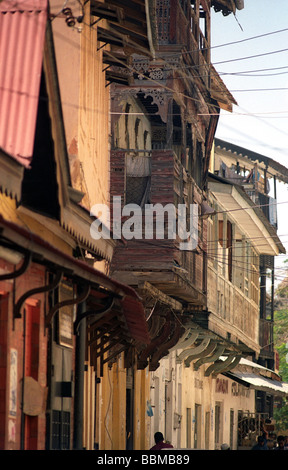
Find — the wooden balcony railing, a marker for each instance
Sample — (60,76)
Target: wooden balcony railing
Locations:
(179,24)
(239,313)
(178,272)
(266,335)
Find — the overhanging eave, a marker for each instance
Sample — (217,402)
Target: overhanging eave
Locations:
(248,217)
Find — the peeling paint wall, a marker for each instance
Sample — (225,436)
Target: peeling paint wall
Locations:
(85,103)
(194,411)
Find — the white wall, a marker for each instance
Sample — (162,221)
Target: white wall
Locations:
(180,391)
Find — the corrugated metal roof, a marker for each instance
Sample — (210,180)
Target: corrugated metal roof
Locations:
(22,33)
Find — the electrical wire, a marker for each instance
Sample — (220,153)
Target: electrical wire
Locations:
(243,58)
(189,97)
(257,89)
(222,45)
(132,69)
(218,62)
(254,73)
(217,46)
(264,54)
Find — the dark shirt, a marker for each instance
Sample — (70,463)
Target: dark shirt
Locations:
(260,447)
(161,445)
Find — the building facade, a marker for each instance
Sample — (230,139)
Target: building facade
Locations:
(163,125)
(211,387)
(61,313)
(107,339)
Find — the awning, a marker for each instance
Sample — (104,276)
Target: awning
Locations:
(128,305)
(257,377)
(220,93)
(231,154)
(165,323)
(257,382)
(247,215)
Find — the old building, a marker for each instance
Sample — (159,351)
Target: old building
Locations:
(91,55)
(108,338)
(57,311)
(216,384)
(258,176)
(162,125)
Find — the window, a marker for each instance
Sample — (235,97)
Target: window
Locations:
(254,276)
(146,133)
(197,427)
(231,428)
(137,122)
(127,140)
(137,179)
(198,165)
(218,424)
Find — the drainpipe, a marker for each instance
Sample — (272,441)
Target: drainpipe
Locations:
(79,379)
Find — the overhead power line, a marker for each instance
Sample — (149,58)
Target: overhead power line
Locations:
(217,46)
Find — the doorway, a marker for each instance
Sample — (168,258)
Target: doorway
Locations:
(197,427)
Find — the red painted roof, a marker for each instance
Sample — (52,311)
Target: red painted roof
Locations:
(22,33)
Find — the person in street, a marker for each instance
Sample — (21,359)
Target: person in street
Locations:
(159,442)
(261,444)
(225,447)
(281,443)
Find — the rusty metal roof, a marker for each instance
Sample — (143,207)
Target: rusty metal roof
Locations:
(22,33)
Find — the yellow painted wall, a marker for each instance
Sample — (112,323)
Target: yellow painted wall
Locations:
(89,408)
(36,223)
(119,406)
(86,112)
(104,419)
(94,102)
(141,396)
(85,103)
(126,125)
(190,388)
(111,408)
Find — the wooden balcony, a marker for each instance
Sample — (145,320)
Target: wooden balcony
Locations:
(232,313)
(189,35)
(266,336)
(176,272)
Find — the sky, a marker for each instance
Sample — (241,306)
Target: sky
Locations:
(250,53)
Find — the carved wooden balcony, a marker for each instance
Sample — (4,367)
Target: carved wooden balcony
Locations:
(176,272)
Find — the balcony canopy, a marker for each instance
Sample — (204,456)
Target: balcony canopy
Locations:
(248,217)
(257,377)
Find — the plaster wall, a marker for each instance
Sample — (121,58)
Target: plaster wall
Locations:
(85,104)
(195,411)
(132,129)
